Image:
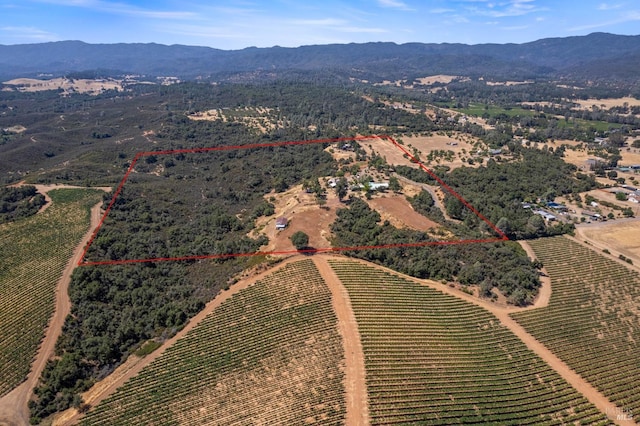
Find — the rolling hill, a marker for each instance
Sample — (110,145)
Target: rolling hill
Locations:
(581,56)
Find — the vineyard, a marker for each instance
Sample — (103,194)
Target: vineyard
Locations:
(593,319)
(34,252)
(269,354)
(433,359)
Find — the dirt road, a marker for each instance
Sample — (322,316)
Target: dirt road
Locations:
(131,368)
(355,384)
(544,293)
(502,313)
(430,189)
(13,406)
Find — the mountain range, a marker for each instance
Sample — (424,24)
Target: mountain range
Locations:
(594,56)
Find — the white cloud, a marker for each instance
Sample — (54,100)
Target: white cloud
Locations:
(28,33)
(504,9)
(515,28)
(327,22)
(363,30)
(123,9)
(442,10)
(631,16)
(607,6)
(331,24)
(395,4)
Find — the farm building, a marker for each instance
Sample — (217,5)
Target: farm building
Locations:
(546,215)
(281,223)
(346,147)
(592,215)
(557,206)
(376,186)
(592,163)
(373,186)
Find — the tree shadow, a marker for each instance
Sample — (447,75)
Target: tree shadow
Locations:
(308,251)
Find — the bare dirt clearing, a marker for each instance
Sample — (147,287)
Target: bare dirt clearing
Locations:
(397,210)
(303,214)
(15,129)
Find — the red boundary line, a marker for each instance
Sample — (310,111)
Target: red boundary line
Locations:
(502,236)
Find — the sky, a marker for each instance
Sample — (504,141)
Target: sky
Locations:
(238,24)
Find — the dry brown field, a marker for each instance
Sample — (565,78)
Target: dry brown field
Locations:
(259,118)
(67,85)
(606,103)
(303,213)
(620,236)
(424,144)
(440,78)
(397,210)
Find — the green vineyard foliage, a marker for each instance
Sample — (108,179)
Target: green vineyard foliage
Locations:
(431,358)
(592,321)
(269,354)
(33,254)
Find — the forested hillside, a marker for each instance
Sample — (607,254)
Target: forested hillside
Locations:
(584,56)
(175,205)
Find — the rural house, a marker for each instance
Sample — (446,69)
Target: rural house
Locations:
(281,223)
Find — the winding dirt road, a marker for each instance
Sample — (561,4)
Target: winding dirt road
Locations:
(502,313)
(13,407)
(14,410)
(133,366)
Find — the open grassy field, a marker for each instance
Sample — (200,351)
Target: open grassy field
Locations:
(65,85)
(592,321)
(34,252)
(619,237)
(606,103)
(270,354)
(480,109)
(431,358)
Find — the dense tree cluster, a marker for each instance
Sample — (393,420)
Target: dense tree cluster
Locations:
(498,190)
(19,202)
(424,204)
(203,204)
(501,265)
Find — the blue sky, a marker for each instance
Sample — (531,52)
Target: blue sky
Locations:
(243,23)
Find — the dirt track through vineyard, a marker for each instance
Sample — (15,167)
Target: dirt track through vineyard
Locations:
(356,392)
(502,313)
(105,388)
(355,383)
(14,410)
